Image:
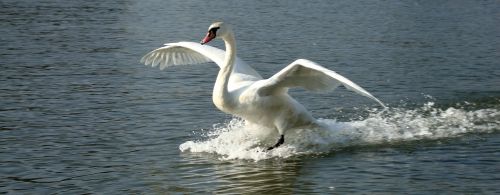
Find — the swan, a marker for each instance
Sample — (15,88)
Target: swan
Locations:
(239,90)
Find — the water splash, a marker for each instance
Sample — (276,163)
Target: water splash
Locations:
(237,140)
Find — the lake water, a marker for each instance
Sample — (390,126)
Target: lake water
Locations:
(79,114)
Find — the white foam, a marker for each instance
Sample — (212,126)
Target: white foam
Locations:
(237,140)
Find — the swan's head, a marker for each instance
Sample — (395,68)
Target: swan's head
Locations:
(216,30)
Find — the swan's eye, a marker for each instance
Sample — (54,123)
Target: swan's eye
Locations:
(214,29)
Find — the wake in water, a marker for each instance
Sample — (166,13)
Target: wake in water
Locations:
(237,140)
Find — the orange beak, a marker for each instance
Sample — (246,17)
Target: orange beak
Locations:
(210,35)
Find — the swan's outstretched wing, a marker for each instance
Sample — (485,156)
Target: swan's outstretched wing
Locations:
(183,53)
(311,76)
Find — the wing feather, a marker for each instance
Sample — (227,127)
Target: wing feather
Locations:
(184,53)
(311,76)
(162,57)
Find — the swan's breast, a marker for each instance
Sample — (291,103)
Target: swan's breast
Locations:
(260,109)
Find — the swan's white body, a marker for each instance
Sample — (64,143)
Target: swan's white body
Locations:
(241,91)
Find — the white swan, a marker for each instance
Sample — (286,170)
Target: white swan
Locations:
(241,91)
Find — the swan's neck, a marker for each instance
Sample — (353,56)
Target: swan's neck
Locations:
(221,97)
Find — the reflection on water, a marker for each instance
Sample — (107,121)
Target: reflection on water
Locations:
(278,176)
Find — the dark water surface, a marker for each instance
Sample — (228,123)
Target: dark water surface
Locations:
(80,114)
